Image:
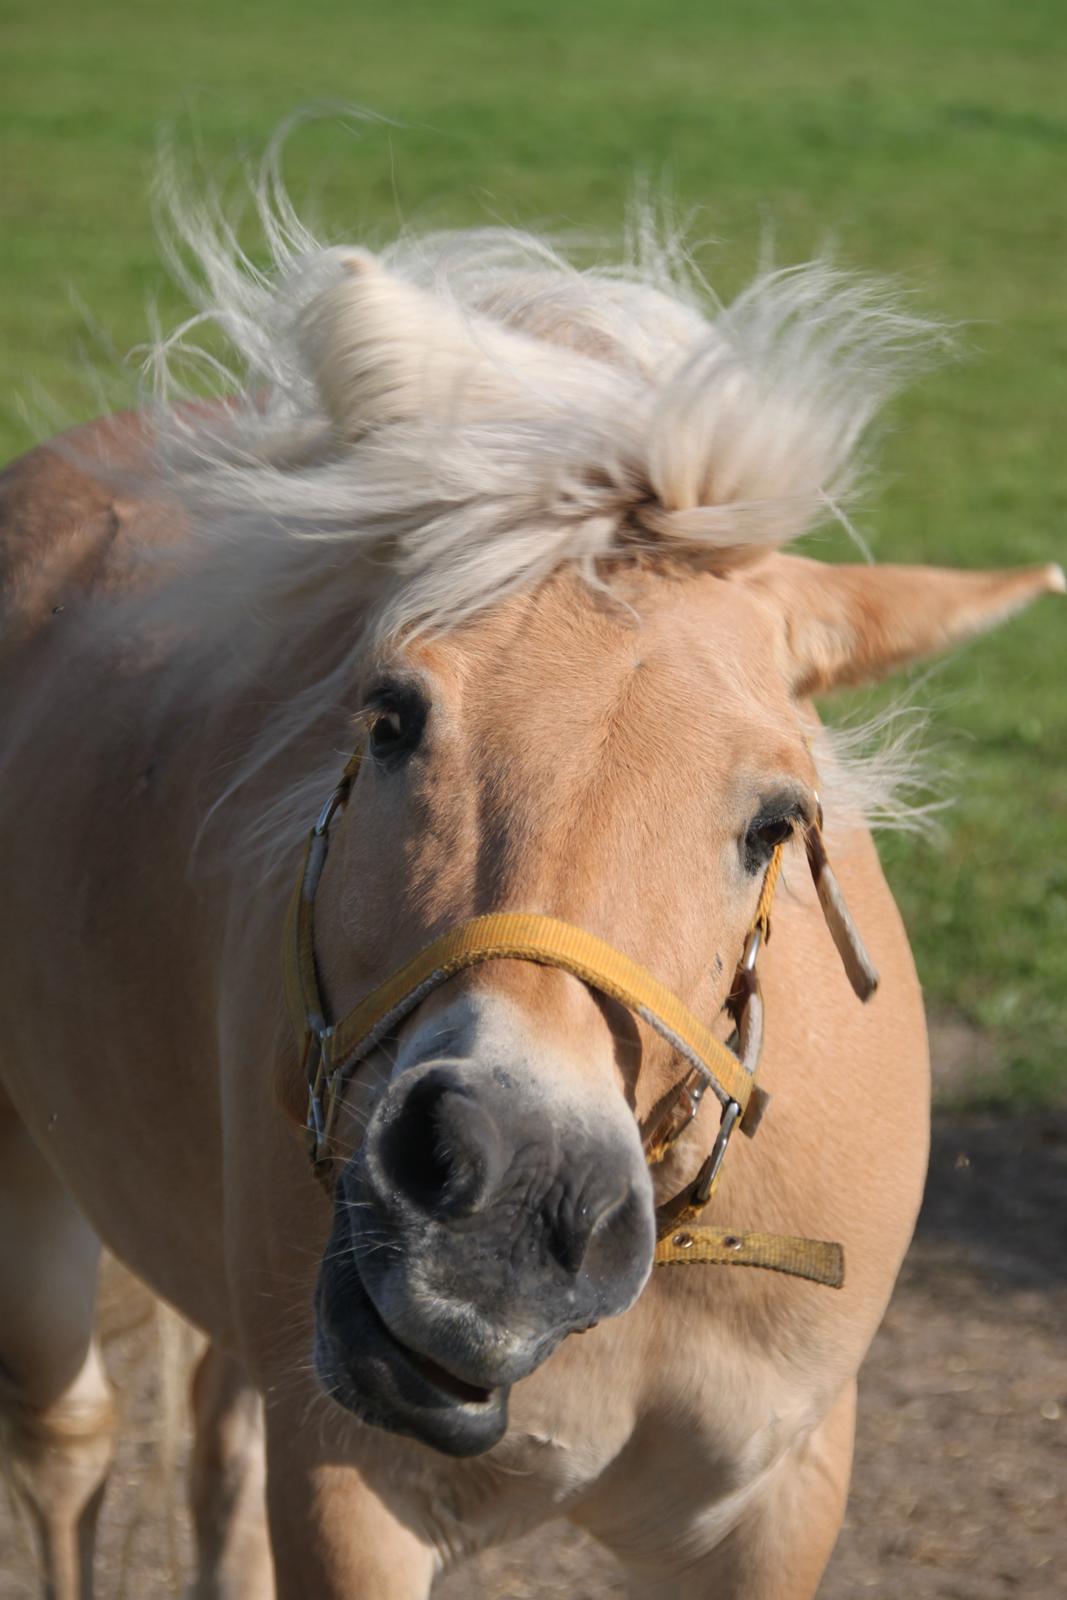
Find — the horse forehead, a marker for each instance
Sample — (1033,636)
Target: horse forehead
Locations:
(575,708)
(660,647)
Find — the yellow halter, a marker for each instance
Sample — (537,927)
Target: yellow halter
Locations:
(330,1052)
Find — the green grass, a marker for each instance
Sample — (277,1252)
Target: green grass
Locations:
(925,140)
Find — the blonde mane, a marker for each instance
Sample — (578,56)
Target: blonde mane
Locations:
(411,436)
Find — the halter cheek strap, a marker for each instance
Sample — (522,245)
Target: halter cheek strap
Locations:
(331,1052)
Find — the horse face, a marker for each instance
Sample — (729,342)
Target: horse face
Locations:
(625,761)
(619,764)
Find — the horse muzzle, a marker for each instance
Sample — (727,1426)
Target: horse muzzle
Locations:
(480,1222)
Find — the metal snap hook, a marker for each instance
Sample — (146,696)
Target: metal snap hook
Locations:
(705,1182)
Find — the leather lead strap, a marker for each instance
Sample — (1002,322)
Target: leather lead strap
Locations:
(861,970)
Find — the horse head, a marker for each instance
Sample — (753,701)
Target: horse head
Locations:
(581,691)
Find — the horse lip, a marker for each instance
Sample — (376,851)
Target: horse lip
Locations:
(463,1384)
(465,1393)
(431,1371)
(384,1384)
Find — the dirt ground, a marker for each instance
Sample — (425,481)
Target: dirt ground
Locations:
(960,1486)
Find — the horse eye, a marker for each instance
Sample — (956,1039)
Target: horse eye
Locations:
(387,731)
(763,836)
(396,726)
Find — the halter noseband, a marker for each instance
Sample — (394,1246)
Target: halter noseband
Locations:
(330,1052)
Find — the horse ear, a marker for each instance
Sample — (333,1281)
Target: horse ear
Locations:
(854,624)
(381,350)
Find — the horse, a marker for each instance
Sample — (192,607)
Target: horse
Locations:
(409,762)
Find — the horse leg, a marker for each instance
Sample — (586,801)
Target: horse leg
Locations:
(56,1401)
(779,1548)
(227,1483)
(331,1535)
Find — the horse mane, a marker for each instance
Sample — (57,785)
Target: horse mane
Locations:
(468,410)
(409,437)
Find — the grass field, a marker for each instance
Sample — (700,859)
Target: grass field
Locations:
(928,141)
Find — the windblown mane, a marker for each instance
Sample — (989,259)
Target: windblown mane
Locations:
(409,437)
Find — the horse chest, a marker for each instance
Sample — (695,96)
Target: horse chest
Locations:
(593,1439)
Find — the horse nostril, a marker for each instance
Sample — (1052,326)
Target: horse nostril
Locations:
(571,1229)
(568,1241)
(442,1150)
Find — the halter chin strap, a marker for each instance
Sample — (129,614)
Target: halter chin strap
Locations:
(331,1052)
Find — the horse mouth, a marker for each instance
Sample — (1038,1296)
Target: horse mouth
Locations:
(466,1393)
(365,1368)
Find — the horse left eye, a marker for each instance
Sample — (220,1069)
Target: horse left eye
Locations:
(763,836)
